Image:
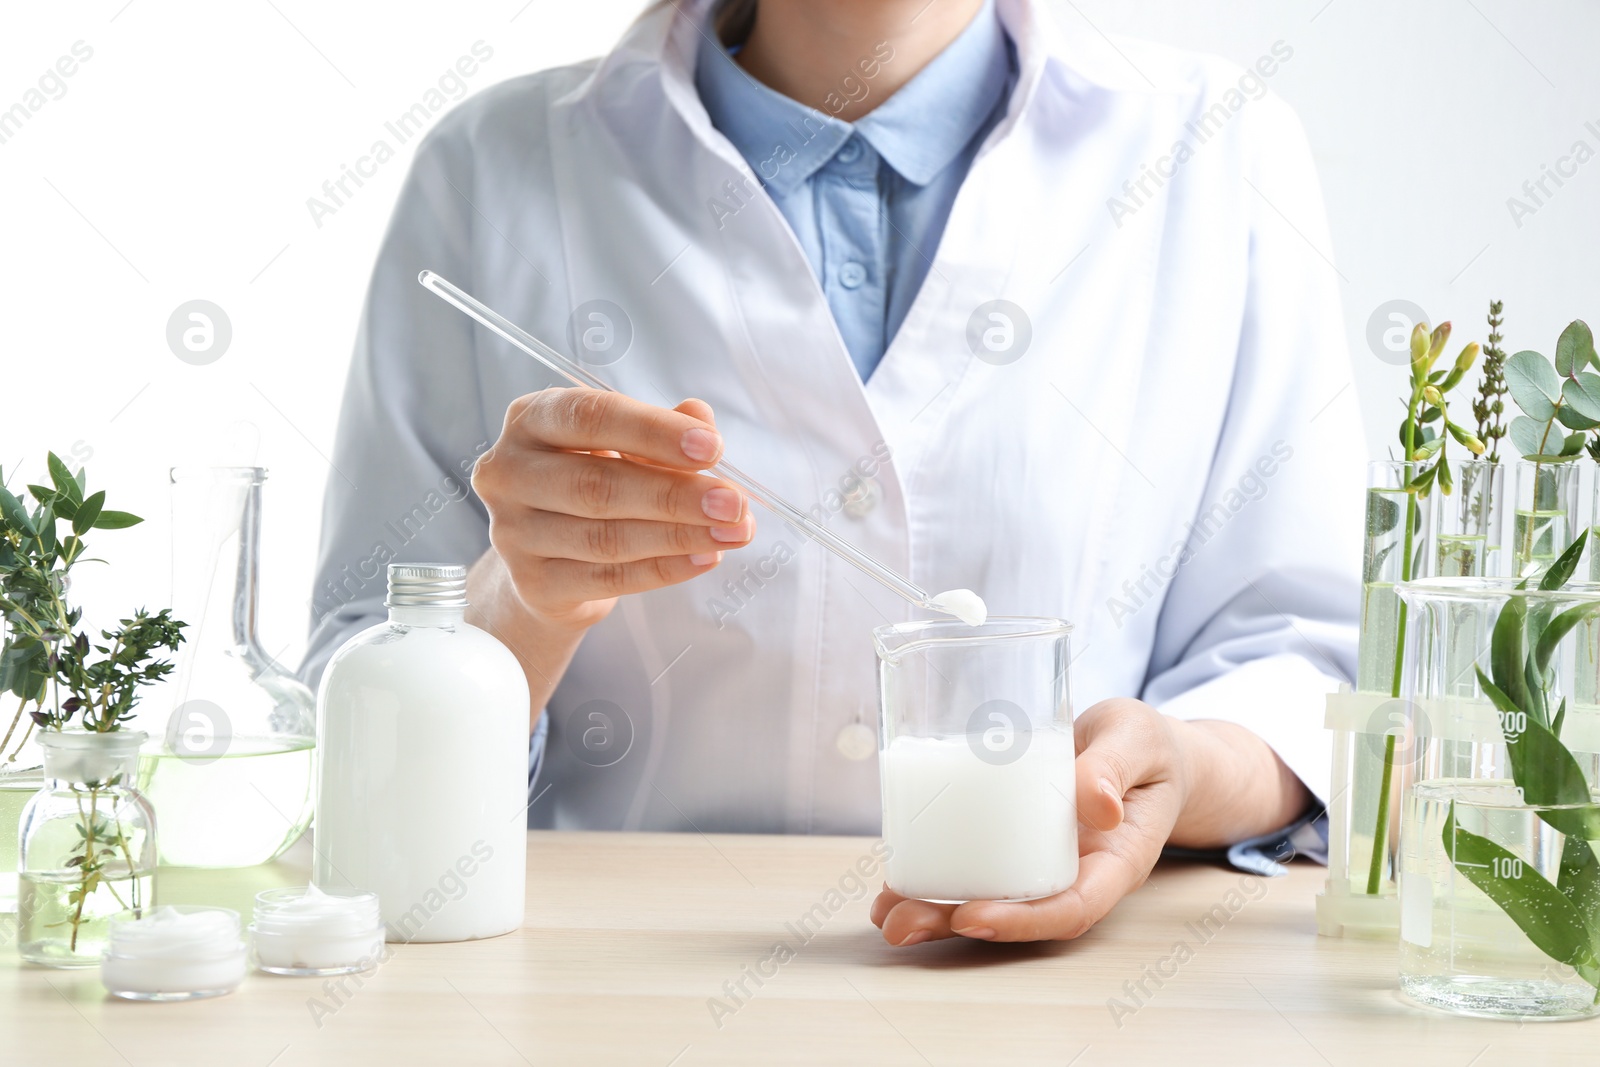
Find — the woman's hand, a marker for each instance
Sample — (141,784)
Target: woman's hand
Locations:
(1143,779)
(593,495)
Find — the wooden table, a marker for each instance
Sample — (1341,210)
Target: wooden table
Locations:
(630,939)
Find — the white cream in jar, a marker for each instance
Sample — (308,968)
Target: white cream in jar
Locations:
(304,930)
(175,952)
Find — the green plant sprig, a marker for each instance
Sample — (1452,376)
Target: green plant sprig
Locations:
(1427,404)
(45,660)
(1554,397)
(44,655)
(1489,405)
(1563,919)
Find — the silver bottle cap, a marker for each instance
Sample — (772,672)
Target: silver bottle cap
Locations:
(428,585)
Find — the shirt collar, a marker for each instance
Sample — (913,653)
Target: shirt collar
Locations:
(918,131)
(922,128)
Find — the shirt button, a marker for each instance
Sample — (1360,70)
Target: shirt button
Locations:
(852,274)
(850,152)
(862,498)
(856,742)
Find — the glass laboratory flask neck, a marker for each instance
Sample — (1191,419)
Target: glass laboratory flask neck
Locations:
(216,558)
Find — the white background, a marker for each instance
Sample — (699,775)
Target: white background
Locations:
(178,163)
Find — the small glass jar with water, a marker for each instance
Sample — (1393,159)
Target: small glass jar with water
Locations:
(88,847)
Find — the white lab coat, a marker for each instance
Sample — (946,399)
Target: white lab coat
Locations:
(1184,395)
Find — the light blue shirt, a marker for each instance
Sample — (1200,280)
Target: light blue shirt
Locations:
(868,201)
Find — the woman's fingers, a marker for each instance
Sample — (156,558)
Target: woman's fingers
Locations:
(556,536)
(566,583)
(588,420)
(910,922)
(599,487)
(1104,878)
(1123,745)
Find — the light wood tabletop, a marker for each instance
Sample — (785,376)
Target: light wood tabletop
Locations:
(635,948)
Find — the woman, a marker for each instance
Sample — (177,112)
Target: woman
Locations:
(1017,309)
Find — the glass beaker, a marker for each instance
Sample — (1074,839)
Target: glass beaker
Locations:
(976,758)
(229,770)
(1461,949)
(1499,887)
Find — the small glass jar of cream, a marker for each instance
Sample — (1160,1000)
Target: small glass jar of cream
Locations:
(176,952)
(304,930)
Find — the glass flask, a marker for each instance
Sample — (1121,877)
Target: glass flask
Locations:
(88,847)
(976,759)
(229,769)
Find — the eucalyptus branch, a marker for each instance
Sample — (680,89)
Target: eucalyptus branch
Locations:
(1554,398)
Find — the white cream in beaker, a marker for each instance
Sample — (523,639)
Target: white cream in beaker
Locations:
(964,826)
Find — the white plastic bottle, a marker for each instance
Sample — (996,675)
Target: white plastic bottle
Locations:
(422,741)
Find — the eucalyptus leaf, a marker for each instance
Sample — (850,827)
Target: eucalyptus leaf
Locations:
(1572,419)
(1573,445)
(1575,348)
(1551,458)
(1534,384)
(1526,435)
(1583,393)
(1540,910)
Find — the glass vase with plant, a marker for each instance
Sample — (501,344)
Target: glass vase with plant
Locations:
(1560,405)
(87,839)
(1426,467)
(1402,511)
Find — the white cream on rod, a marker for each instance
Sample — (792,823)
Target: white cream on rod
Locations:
(962,827)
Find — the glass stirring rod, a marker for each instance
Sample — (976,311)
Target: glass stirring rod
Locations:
(962,603)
